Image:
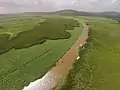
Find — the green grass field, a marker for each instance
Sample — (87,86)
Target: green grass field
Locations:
(99,65)
(50,28)
(19,67)
(15,25)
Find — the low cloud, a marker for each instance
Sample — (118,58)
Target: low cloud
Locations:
(14,6)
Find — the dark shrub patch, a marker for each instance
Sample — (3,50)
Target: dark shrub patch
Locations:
(51,28)
(1,27)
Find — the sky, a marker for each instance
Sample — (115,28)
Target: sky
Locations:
(18,6)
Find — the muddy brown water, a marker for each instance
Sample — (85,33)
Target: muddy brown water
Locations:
(53,78)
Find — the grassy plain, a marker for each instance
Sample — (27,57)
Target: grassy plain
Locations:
(50,28)
(99,65)
(15,25)
(18,67)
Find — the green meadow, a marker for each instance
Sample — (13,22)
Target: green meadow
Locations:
(29,47)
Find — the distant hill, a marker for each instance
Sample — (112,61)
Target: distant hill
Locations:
(82,13)
(69,12)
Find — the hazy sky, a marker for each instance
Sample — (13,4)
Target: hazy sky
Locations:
(13,6)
